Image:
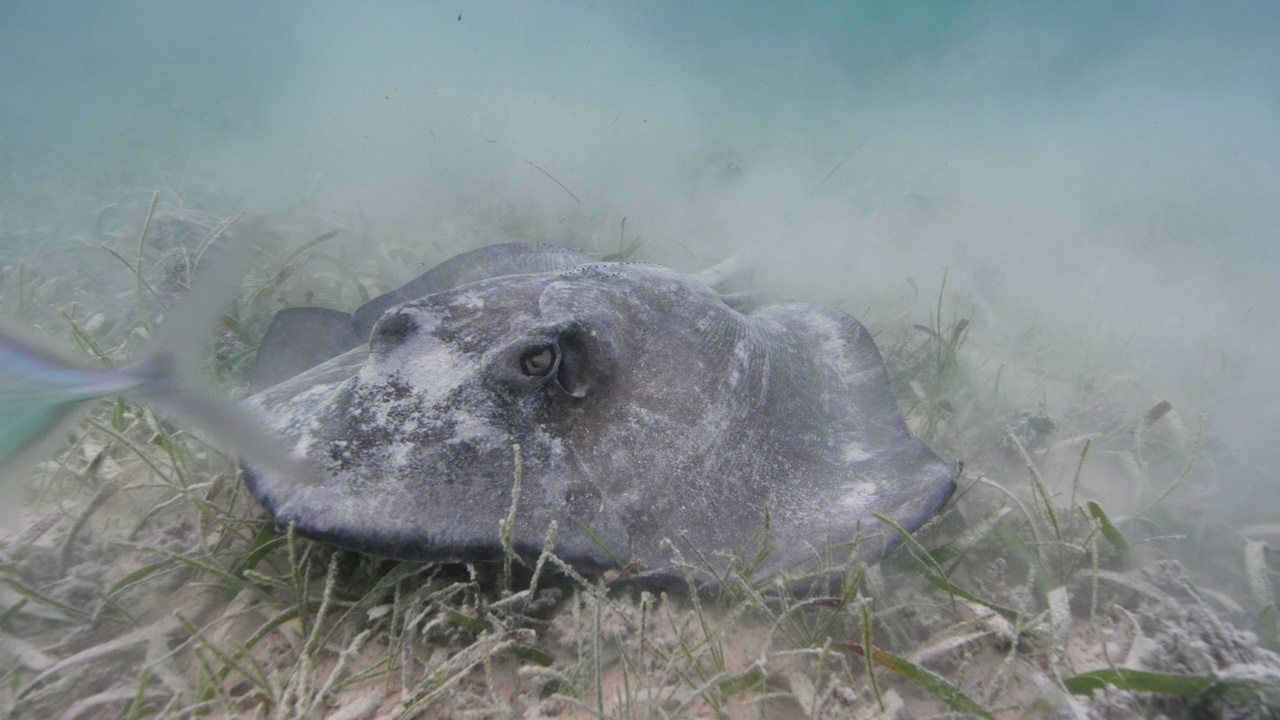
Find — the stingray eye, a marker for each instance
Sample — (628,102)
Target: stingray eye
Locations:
(538,361)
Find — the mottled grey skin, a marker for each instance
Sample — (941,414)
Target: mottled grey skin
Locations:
(480,264)
(663,414)
(302,337)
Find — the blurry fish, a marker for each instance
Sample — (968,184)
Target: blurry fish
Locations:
(41,391)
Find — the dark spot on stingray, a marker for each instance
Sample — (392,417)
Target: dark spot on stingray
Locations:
(392,330)
(647,411)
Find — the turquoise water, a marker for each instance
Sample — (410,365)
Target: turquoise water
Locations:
(1093,172)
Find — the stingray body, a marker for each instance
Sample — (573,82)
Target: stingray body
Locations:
(649,413)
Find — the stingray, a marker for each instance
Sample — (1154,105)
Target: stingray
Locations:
(655,421)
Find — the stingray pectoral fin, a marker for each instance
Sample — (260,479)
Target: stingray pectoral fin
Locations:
(853,454)
(922,483)
(299,339)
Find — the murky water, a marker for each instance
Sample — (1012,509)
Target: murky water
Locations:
(1099,183)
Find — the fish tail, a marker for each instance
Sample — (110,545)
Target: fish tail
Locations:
(235,429)
(41,395)
(175,373)
(40,391)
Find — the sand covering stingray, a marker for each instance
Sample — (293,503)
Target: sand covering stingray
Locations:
(647,410)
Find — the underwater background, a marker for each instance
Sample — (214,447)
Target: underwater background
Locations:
(1093,186)
(1110,168)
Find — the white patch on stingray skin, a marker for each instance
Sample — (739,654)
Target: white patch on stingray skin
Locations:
(858,496)
(740,361)
(400,453)
(296,419)
(431,370)
(469,427)
(854,453)
(471,300)
(835,348)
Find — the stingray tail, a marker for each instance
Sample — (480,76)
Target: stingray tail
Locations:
(725,275)
(718,276)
